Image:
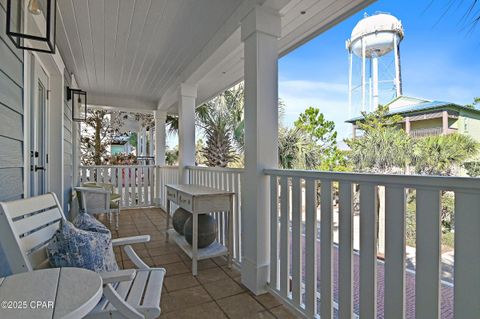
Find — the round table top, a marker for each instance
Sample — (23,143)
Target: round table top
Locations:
(68,293)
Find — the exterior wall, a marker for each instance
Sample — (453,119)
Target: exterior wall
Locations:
(431,123)
(67,149)
(11,122)
(469,123)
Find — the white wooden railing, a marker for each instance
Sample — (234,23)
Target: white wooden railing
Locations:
(164,175)
(304,260)
(138,185)
(228,179)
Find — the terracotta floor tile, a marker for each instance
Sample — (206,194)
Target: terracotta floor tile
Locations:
(268,300)
(178,282)
(240,306)
(210,275)
(223,288)
(208,311)
(176,269)
(181,299)
(281,312)
(166,259)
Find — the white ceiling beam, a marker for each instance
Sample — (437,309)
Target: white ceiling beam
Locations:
(120,102)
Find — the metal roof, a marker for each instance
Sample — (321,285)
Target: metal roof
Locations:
(421,107)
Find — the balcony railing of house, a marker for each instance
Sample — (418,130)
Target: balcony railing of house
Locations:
(430,132)
(318,277)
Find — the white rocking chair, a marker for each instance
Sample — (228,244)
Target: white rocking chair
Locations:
(27,225)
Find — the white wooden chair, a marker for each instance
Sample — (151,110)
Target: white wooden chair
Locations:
(27,225)
(97,200)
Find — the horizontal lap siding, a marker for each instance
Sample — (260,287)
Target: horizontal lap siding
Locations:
(11,122)
(67,150)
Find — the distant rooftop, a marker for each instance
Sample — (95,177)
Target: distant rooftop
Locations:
(406,105)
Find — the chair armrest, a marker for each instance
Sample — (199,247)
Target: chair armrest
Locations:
(120,304)
(132,255)
(131,240)
(117,276)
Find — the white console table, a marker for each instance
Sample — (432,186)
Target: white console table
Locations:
(200,200)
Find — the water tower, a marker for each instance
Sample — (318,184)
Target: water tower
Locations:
(374,58)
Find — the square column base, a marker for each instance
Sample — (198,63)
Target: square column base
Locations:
(255,276)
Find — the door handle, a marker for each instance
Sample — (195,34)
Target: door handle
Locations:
(37,168)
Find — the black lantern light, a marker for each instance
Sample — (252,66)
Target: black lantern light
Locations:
(79,104)
(26,27)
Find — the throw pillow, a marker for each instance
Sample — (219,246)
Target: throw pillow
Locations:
(73,247)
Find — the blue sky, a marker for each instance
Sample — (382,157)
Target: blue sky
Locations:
(439,55)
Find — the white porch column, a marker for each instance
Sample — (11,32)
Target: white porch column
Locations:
(260,31)
(160,136)
(186,129)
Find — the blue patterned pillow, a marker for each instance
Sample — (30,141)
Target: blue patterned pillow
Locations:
(73,247)
(85,221)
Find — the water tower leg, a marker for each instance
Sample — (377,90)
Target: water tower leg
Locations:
(364,71)
(375,82)
(398,80)
(350,70)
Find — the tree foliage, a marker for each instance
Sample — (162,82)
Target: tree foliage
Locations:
(311,144)
(96,135)
(384,146)
(442,154)
(475,104)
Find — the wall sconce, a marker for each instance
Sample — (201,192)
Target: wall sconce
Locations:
(79,104)
(40,36)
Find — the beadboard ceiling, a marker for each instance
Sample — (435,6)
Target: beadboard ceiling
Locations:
(135,53)
(135,48)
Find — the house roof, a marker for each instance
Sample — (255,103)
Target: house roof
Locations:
(405,105)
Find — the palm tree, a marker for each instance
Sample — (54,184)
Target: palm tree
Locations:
(440,155)
(221,121)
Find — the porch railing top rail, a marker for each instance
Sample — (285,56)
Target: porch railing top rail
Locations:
(441,182)
(219,169)
(116,166)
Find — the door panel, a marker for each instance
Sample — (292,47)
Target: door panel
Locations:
(39,131)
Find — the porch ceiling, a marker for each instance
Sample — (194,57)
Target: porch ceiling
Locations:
(135,54)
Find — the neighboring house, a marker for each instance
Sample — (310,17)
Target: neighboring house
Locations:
(423,117)
(121,145)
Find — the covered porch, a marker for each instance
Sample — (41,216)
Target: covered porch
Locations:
(168,57)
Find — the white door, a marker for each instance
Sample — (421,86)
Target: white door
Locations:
(39,131)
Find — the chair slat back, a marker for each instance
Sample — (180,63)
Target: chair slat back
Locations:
(94,200)
(26,226)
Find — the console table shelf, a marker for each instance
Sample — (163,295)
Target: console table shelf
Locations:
(198,200)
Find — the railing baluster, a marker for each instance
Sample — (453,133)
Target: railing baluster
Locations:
(310,248)
(368,250)
(345,251)
(467,255)
(326,234)
(284,238)
(274,232)
(394,252)
(428,252)
(296,244)
(120,185)
(127,186)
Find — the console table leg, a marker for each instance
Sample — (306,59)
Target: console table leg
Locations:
(168,221)
(194,244)
(230,233)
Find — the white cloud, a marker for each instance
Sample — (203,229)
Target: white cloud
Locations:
(330,98)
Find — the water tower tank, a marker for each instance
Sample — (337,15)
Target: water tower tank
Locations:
(379,32)
(374,74)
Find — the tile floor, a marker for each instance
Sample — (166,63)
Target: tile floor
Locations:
(216,292)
